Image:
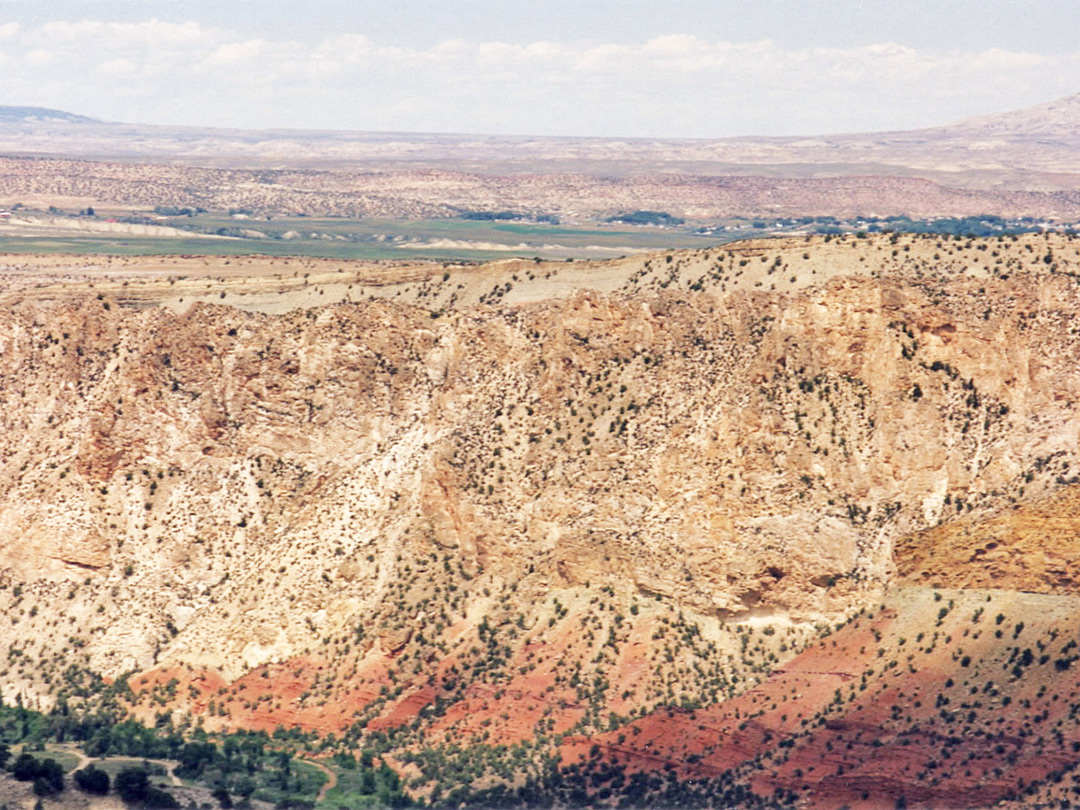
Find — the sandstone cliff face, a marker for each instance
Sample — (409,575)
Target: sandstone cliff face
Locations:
(225,489)
(1030,546)
(501,504)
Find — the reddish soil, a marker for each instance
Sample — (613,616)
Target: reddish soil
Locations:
(946,723)
(947,699)
(529,694)
(293,694)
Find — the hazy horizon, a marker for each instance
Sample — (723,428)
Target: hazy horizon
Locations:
(645,69)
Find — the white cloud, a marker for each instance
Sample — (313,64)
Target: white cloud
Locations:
(232,54)
(674,45)
(151,33)
(348,48)
(116,67)
(997,60)
(671,84)
(39,57)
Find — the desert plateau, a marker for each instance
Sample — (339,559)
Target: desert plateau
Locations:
(383,469)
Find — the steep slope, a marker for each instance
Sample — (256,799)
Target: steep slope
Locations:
(933,698)
(503,523)
(1029,546)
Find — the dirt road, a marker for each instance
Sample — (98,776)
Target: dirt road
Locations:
(331,778)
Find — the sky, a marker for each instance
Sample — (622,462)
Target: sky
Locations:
(634,68)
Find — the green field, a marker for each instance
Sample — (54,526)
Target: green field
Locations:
(439,240)
(65,759)
(361,787)
(457,240)
(113,765)
(303,784)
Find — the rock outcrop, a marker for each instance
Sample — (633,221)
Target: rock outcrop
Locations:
(531,515)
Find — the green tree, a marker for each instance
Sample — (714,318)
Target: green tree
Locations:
(133,784)
(47,775)
(160,800)
(25,768)
(283,762)
(92,780)
(244,787)
(52,774)
(389,788)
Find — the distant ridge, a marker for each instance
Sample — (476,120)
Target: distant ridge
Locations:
(1060,117)
(15,115)
(1029,150)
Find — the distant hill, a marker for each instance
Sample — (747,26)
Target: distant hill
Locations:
(1029,150)
(1060,118)
(16,115)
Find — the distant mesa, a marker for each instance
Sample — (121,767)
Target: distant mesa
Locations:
(18,115)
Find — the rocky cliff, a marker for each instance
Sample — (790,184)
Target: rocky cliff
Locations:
(534,513)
